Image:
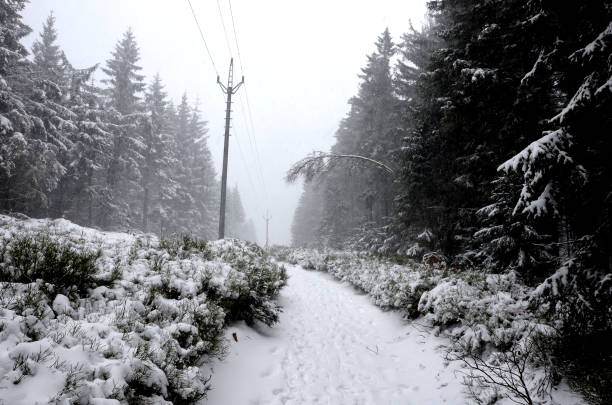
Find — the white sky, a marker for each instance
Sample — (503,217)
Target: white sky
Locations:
(301,60)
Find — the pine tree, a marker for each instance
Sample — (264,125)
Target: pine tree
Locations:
(367,130)
(125,86)
(32,121)
(235,217)
(469,114)
(48,58)
(83,193)
(125,83)
(156,130)
(307,217)
(566,175)
(184,203)
(169,186)
(204,186)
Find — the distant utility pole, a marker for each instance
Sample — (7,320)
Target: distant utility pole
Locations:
(229,90)
(267,218)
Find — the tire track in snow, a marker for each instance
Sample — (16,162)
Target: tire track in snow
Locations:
(333,346)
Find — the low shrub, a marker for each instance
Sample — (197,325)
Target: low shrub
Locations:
(491,319)
(154,311)
(66,269)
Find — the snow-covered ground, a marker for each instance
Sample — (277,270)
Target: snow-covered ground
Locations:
(333,346)
(91,317)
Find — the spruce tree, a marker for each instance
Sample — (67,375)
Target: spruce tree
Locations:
(32,121)
(83,194)
(204,186)
(48,58)
(168,185)
(154,134)
(124,88)
(367,130)
(307,217)
(184,202)
(235,216)
(565,177)
(125,83)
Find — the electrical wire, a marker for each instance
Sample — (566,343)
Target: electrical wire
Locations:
(244,163)
(202,36)
(227,42)
(235,35)
(251,130)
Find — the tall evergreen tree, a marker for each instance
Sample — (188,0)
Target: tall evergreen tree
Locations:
(125,86)
(33,122)
(169,188)
(184,203)
(566,175)
(367,130)
(204,186)
(48,58)
(125,83)
(305,225)
(235,217)
(154,134)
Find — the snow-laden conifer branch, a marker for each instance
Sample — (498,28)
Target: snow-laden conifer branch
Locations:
(318,163)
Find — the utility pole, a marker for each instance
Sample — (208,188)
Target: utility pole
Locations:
(229,90)
(267,218)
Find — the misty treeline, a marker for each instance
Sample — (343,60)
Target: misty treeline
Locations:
(496,118)
(116,155)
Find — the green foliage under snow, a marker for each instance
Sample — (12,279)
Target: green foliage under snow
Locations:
(87,314)
(490,318)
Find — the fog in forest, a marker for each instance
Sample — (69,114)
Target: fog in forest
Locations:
(301,64)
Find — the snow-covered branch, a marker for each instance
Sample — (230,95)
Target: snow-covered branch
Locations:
(318,163)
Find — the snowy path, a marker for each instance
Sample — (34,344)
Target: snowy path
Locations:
(333,346)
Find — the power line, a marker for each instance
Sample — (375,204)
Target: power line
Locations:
(202,36)
(244,163)
(254,149)
(235,35)
(254,138)
(229,48)
(251,131)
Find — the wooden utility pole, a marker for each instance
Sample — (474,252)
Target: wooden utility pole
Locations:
(229,90)
(267,218)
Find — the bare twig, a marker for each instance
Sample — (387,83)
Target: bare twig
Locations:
(507,371)
(375,352)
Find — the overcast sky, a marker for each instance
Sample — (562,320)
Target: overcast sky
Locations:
(301,63)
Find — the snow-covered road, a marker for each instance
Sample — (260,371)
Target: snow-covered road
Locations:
(333,346)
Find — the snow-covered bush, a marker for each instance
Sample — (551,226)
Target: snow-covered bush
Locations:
(120,317)
(391,285)
(37,256)
(490,318)
(514,371)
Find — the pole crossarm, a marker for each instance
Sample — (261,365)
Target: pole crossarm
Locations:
(223,88)
(236,87)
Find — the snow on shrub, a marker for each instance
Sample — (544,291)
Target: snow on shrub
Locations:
(391,286)
(89,316)
(471,304)
(490,318)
